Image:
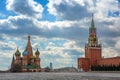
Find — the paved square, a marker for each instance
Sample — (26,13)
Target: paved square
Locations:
(60,76)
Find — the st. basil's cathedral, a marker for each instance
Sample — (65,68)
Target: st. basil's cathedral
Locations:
(28,62)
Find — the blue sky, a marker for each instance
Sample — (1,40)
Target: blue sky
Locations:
(58,28)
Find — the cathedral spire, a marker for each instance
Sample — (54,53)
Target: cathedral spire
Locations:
(29,37)
(29,48)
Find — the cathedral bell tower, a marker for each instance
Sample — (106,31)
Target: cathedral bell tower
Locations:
(93,47)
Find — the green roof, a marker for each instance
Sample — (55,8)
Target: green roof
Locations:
(92,23)
(31,66)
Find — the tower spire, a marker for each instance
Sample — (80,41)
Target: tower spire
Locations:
(92,22)
(29,47)
(92,40)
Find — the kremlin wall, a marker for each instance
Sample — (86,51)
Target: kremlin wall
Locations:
(93,53)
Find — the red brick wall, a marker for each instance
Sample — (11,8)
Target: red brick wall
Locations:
(110,61)
(83,63)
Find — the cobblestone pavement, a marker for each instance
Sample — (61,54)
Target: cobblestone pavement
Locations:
(60,76)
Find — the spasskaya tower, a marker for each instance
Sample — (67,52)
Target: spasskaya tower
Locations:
(93,47)
(93,50)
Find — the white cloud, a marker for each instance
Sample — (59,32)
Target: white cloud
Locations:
(29,8)
(7,50)
(117,44)
(109,52)
(64,55)
(62,24)
(68,9)
(50,5)
(65,8)
(10,45)
(103,7)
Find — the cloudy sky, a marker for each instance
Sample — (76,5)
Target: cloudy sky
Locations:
(58,28)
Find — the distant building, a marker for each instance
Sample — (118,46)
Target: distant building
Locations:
(28,62)
(66,69)
(93,53)
(51,67)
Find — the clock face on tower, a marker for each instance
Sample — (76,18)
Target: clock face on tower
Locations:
(93,40)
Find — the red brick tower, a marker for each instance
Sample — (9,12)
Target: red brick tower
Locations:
(92,50)
(93,47)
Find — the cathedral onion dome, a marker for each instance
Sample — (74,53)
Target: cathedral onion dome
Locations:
(25,53)
(17,53)
(37,52)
